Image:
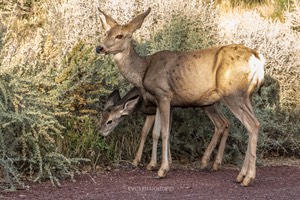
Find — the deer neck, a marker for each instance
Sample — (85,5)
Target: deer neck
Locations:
(131,65)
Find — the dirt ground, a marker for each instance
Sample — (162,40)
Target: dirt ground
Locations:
(272,182)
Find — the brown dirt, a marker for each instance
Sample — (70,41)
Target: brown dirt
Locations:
(272,182)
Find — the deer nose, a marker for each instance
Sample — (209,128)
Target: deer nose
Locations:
(99,49)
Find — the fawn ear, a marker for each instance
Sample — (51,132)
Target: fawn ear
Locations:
(137,22)
(112,99)
(107,21)
(130,105)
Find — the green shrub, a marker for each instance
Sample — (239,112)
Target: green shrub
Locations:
(28,135)
(53,86)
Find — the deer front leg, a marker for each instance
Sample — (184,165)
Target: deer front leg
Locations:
(164,110)
(155,135)
(147,126)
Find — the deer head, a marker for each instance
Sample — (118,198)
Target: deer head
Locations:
(114,112)
(118,37)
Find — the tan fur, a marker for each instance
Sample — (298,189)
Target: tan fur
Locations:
(196,78)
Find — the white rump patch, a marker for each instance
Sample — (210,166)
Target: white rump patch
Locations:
(257,71)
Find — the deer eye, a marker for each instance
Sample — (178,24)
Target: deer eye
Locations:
(119,36)
(109,122)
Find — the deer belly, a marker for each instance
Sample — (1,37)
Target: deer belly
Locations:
(193,92)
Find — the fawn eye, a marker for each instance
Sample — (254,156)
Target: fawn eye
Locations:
(109,122)
(119,36)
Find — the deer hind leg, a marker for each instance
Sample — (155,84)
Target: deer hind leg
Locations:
(222,145)
(146,128)
(221,128)
(242,109)
(155,135)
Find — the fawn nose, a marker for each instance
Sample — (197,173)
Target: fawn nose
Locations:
(99,49)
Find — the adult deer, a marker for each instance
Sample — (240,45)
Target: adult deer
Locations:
(116,108)
(197,78)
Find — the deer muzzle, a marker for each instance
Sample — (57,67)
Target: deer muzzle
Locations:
(100,49)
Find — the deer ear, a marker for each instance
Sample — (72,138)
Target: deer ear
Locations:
(130,105)
(107,21)
(112,99)
(137,22)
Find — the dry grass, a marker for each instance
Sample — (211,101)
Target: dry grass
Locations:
(43,41)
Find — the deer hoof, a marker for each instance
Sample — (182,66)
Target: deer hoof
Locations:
(246,182)
(216,166)
(240,178)
(162,172)
(135,162)
(151,167)
(205,167)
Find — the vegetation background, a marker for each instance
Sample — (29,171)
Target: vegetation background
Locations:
(53,86)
